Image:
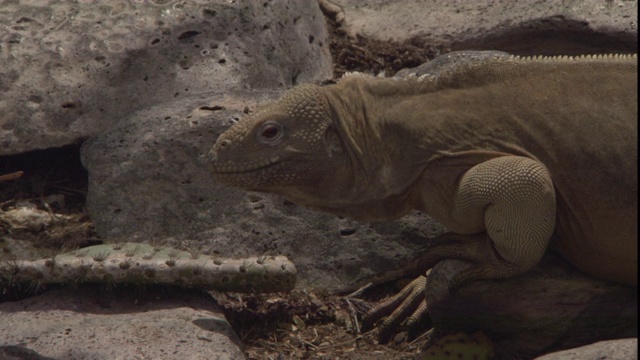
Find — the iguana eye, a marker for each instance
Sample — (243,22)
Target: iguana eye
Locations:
(270,133)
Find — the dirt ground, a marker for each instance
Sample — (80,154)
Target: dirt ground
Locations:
(297,325)
(373,56)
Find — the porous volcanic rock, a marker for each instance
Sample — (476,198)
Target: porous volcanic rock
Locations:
(71,69)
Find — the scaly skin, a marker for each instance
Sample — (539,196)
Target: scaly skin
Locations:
(511,154)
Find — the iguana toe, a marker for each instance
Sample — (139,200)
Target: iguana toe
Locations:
(408,307)
(420,316)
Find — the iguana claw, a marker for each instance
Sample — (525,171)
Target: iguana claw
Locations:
(408,308)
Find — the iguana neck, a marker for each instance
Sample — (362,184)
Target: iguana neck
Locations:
(376,174)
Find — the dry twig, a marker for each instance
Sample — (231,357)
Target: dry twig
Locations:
(11,176)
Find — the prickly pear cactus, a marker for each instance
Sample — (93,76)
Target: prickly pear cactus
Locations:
(147,264)
(462,346)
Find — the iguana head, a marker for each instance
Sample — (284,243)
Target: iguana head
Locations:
(290,148)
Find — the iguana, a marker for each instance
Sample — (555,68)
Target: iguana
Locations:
(512,154)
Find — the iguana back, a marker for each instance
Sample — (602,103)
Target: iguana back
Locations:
(578,117)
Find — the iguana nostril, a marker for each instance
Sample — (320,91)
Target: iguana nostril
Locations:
(223,144)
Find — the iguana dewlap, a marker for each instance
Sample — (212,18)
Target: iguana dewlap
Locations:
(520,152)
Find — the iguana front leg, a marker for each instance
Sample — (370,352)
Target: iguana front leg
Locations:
(514,198)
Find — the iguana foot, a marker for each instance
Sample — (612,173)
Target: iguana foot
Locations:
(407,308)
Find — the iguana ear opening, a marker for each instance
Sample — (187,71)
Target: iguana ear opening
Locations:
(333,142)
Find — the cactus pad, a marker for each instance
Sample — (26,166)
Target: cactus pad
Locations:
(147,264)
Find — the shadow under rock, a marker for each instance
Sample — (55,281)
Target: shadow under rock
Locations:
(15,352)
(100,299)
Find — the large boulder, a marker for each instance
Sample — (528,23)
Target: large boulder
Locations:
(552,307)
(519,27)
(123,323)
(609,349)
(72,69)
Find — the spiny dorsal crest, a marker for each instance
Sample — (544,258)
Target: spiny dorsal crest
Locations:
(355,74)
(573,58)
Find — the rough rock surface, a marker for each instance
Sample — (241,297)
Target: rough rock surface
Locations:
(71,69)
(611,349)
(551,307)
(123,323)
(519,27)
(150,181)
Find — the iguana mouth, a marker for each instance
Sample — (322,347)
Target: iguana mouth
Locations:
(230,167)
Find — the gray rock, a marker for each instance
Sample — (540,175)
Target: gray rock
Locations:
(519,27)
(123,323)
(622,349)
(149,180)
(551,307)
(71,69)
